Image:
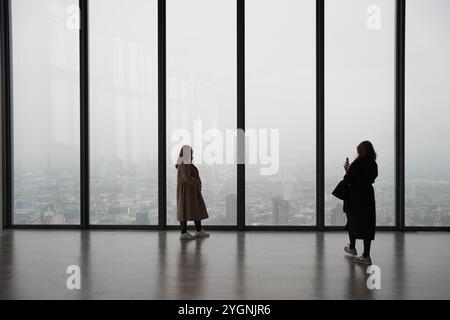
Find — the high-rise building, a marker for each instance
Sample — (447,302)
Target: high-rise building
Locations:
(280,211)
(338,217)
(231,209)
(142,218)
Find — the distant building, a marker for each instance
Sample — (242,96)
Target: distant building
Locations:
(445,218)
(231,209)
(46,210)
(280,211)
(118,210)
(142,218)
(338,217)
(71,213)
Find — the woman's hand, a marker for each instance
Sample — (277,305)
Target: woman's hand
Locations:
(346,167)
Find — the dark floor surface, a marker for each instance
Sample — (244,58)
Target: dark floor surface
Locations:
(229,265)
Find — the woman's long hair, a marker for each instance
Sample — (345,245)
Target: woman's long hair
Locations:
(366,151)
(185,156)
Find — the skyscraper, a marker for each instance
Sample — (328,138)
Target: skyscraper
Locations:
(338,217)
(231,209)
(142,218)
(280,211)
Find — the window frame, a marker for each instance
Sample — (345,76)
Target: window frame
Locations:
(7,165)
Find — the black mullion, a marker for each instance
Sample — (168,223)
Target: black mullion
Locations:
(162,117)
(241,114)
(400,115)
(84,115)
(7,153)
(320,114)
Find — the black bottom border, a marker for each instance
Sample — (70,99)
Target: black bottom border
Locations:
(229,309)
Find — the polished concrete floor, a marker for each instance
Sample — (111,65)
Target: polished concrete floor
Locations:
(229,265)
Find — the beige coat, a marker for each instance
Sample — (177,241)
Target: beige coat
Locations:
(190,203)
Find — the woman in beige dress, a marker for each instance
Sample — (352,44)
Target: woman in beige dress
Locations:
(190,203)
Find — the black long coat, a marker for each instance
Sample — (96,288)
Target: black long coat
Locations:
(360,203)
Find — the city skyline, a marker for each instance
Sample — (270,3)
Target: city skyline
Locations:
(129,197)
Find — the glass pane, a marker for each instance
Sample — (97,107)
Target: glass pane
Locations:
(45,71)
(281,112)
(360,97)
(124,112)
(427,113)
(201,99)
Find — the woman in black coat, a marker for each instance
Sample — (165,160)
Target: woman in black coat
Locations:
(360,201)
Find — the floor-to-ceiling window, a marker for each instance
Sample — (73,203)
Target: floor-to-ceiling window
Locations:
(123,112)
(360,97)
(427,110)
(280,112)
(201,100)
(280,90)
(46,122)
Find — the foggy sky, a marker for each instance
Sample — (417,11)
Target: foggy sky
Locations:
(202,79)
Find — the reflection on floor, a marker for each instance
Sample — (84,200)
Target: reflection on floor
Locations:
(229,265)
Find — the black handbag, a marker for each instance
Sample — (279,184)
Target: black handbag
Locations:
(341,190)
